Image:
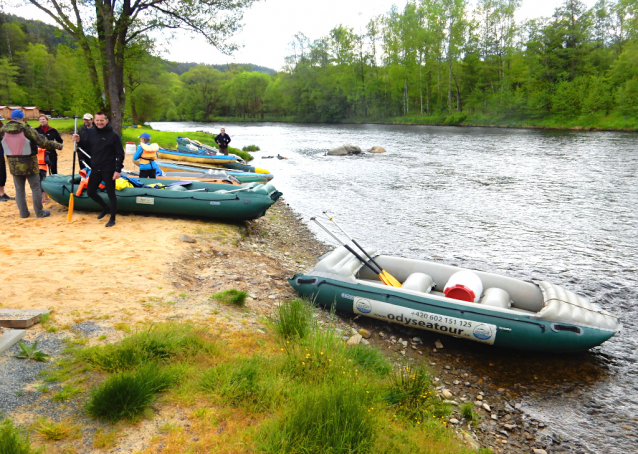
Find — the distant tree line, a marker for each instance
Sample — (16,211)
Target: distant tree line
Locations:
(433,59)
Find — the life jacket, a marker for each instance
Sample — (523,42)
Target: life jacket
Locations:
(149,152)
(17,144)
(84,183)
(42,163)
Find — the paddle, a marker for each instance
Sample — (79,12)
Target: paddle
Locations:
(375,269)
(75,148)
(390,278)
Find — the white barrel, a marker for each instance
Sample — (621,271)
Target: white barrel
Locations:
(130,148)
(465,286)
(496,297)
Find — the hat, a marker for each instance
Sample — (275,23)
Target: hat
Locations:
(88,116)
(17,114)
(145,135)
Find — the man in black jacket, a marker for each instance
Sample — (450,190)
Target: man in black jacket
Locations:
(223,140)
(107,159)
(51,134)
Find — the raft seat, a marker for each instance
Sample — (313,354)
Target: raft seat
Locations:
(419,282)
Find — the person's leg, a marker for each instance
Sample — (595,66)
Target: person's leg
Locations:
(91,190)
(21,200)
(147,173)
(36,194)
(3,180)
(223,151)
(53,159)
(109,182)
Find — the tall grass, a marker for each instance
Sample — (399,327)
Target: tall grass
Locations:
(233,296)
(370,359)
(128,394)
(293,319)
(12,440)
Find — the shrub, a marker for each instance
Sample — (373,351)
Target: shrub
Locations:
(232,296)
(251,148)
(128,394)
(467,411)
(293,319)
(12,441)
(56,431)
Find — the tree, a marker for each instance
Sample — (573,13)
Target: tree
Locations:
(118,24)
(10,92)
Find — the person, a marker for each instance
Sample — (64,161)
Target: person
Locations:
(83,131)
(4,197)
(223,140)
(146,157)
(51,134)
(20,143)
(107,159)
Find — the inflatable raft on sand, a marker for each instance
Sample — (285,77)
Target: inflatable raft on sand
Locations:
(473,305)
(200,199)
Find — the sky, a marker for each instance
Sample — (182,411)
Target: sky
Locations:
(269,27)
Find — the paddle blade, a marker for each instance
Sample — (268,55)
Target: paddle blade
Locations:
(391,279)
(70,208)
(385,280)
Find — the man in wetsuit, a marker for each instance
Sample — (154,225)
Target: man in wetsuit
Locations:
(107,159)
(223,140)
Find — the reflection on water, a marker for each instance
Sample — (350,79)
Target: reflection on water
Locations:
(553,205)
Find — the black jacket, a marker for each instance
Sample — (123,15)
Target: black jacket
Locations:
(105,148)
(51,134)
(222,141)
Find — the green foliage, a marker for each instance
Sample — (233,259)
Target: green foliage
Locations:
(128,394)
(370,359)
(232,296)
(31,352)
(251,148)
(467,411)
(293,319)
(12,440)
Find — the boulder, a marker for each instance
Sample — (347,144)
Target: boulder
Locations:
(377,149)
(345,150)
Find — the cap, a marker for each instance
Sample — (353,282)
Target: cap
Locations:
(17,114)
(145,135)
(88,116)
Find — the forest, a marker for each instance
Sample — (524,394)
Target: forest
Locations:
(430,62)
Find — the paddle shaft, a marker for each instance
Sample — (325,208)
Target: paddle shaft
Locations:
(352,251)
(75,148)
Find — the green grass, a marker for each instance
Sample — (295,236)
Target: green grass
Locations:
(232,296)
(370,359)
(13,440)
(251,148)
(293,318)
(128,394)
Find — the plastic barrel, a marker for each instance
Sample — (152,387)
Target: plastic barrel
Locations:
(130,147)
(465,286)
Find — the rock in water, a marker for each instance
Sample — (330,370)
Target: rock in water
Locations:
(345,150)
(377,149)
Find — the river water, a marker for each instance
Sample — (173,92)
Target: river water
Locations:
(532,204)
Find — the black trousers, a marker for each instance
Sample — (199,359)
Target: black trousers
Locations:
(53,159)
(148,173)
(3,172)
(96,177)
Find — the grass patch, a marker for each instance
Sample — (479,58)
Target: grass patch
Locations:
(293,319)
(232,296)
(127,395)
(370,359)
(50,430)
(467,411)
(13,440)
(251,148)
(31,352)
(67,393)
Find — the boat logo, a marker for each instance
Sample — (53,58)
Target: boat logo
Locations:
(482,332)
(215,203)
(364,306)
(346,296)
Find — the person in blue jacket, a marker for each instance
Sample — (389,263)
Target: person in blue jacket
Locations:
(146,157)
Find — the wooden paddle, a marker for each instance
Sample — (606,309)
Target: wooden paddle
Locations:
(75,148)
(389,277)
(375,269)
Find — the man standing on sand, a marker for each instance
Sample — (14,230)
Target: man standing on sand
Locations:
(4,197)
(20,143)
(223,140)
(107,160)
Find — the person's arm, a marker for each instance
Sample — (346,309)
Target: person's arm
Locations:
(138,153)
(228,139)
(217,139)
(40,139)
(56,136)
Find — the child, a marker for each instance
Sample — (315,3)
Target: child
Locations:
(146,155)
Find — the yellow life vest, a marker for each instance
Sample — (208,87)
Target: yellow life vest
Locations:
(149,152)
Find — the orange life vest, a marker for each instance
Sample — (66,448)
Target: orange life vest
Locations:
(149,153)
(42,164)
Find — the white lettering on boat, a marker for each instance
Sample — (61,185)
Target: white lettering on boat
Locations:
(345,295)
(145,200)
(458,327)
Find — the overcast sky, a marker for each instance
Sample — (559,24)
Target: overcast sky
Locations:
(271,24)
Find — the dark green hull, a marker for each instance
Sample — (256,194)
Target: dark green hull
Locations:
(519,332)
(221,201)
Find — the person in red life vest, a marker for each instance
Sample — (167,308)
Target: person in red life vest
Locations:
(20,143)
(223,140)
(43,165)
(107,159)
(51,134)
(146,156)
(3,174)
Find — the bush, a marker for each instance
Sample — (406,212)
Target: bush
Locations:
(128,394)
(232,296)
(12,441)
(293,319)
(251,148)
(455,119)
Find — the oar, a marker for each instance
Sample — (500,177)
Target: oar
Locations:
(75,147)
(390,278)
(374,269)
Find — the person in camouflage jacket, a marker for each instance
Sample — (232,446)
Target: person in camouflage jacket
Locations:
(20,143)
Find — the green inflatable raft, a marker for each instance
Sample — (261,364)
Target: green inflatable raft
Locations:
(203,200)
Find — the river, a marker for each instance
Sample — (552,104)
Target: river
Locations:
(533,204)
